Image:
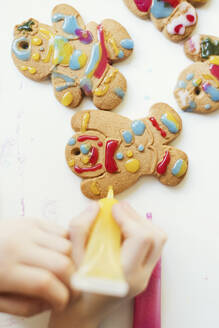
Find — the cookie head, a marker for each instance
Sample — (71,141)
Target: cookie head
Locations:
(85,154)
(31,49)
(197,88)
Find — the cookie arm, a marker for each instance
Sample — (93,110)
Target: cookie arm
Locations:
(107,123)
(117,40)
(165,123)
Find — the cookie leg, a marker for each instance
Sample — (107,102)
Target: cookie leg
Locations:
(172,166)
(111,91)
(66,91)
(117,40)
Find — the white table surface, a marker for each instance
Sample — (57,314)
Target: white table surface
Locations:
(35,179)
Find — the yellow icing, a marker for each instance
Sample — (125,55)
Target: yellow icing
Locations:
(112,42)
(102,90)
(95,189)
(71,163)
(85,122)
(82,60)
(67,99)
(36,57)
(198,81)
(211,77)
(36,41)
(214,60)
(132,165)
(183,169)
(30,69)
(129,153)
(85,159)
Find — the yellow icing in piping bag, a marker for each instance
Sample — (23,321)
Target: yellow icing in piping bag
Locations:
(101,271)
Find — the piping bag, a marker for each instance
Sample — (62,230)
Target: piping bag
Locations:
(101,270)
(147,306)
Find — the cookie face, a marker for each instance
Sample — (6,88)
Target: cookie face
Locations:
(175,18)
(78,58)
(111,150)
(197,88)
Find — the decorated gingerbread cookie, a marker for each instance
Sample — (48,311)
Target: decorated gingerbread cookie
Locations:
(78,57)
(197,88)
(175,18)
(111,150)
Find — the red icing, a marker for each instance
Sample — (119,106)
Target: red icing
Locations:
(162,166)
(100,144)
(80,170)
(85,137)
(143,5)
(173,3)
(178,28)
(110,162)
(104,58)
(157,126)
(215,70)
(190,18)
(94,155)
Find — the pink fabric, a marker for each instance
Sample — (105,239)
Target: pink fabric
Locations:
(147,307)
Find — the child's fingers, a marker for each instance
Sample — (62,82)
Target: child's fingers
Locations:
(53,242)
(21,306)
(52,228)
(59,264)
(39,283)
(79,229)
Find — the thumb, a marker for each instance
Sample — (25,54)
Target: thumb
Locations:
(79,230)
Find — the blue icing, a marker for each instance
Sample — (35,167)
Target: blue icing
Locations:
(127,44)
(177,167)
(189,110)
(190,76)
(86,85)
(169,124)
(85,148)
(127,136)
(138,127)
(182,84)
(72,142)
(95,55)
(74,62)
(65,86)
(119,156)
(63,77)
(207,106)
(212,92)
(141,148)
(160,9)
(121,54)
(20,53)
(119,92)
(192,105)
(70,24)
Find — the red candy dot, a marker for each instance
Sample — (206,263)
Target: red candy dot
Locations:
(100,144)
(178,28)
(190,18)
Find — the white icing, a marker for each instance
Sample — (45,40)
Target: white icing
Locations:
(185,98)
(194,44)
(185,10)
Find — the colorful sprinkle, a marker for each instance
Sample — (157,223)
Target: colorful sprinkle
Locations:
(138,127)
(67,99)
(127,136)
(170,122)
(119,156)
(127,44)
(72,142)
(129,154)
(141,148)
(179,168)
(132,165)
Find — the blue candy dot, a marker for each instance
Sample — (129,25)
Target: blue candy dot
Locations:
(127,136)
(72,142)
(141,148)
(192,104)
(208,106)
(182,84)
(127,44)
(85,149)
(138,127)
(121,54)
(119,156)
(190,76)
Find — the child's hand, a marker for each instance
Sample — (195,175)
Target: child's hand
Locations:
(141,249)
(35,267)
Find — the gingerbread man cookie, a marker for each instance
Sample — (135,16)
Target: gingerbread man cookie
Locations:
(175,18)
(79,58)
(111,150)
(197,88)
